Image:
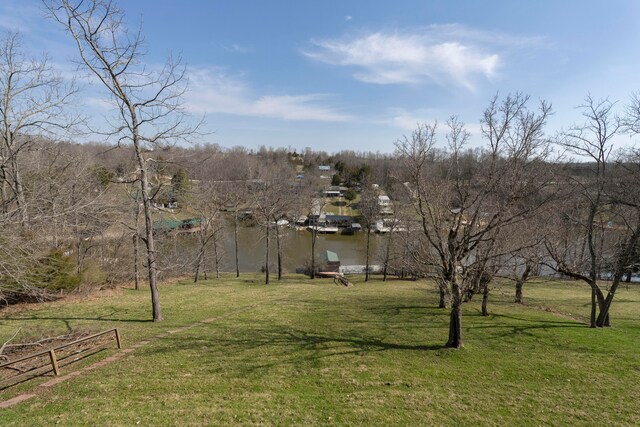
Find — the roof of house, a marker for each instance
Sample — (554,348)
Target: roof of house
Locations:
(192,221)
(332,256)
(173,224)
(170,224)
(339,217)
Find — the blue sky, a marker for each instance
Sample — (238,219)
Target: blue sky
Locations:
(358,75)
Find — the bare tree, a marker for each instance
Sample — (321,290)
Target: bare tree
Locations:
(147,104)
(136,236)
(579,248)
(461,209)
(69,212)
(34,102)
(273,196)
(526,260)
(315,212)
(208,206)
(369,211)
(625,209)
(387,255)
(625,214)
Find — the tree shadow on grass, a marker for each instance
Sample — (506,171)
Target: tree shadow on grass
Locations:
(289,346)
(103,317)
(528,328)
(399,309)
(551,323)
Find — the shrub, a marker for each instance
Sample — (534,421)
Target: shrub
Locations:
(55,271)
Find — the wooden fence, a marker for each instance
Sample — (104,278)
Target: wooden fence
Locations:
(54,361)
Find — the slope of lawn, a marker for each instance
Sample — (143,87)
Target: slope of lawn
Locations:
(308,352)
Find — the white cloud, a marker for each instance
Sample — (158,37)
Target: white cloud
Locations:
(348,18)
(213,91)
(102,103)
(18,16)
(408,121)
(441,54)
(236,48)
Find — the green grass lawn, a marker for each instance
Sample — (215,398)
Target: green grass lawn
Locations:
(308,352)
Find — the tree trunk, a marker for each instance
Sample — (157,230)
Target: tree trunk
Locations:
(136,244)
(136,261)
(204,263)
(198,265)
(485,300)
(442,290)
(386,258)
(455,321)
(235,236)
(279,252)
(366,270)
(314,235)
(266,266)
(4,194)
(198,261)
(152,267)
(592,316)
(12,175)
(520,282)
(215,253)
(603,318)
(518,299)
(78,242)
(624,259)
(201,260)
(19,192)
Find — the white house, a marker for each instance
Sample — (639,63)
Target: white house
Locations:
(384,203)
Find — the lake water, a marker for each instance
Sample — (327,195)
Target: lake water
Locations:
(295,244)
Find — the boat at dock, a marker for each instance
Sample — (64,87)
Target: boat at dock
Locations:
(323,229)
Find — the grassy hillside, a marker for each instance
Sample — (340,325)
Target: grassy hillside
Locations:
(308,352)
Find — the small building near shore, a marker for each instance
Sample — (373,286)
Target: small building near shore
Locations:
(331,261)
(384,204)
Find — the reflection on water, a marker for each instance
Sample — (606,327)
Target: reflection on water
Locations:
(295,244)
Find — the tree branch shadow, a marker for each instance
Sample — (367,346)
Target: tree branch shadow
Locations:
(103,317)
(296,345)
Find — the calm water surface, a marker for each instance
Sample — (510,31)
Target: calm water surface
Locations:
(295,244)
